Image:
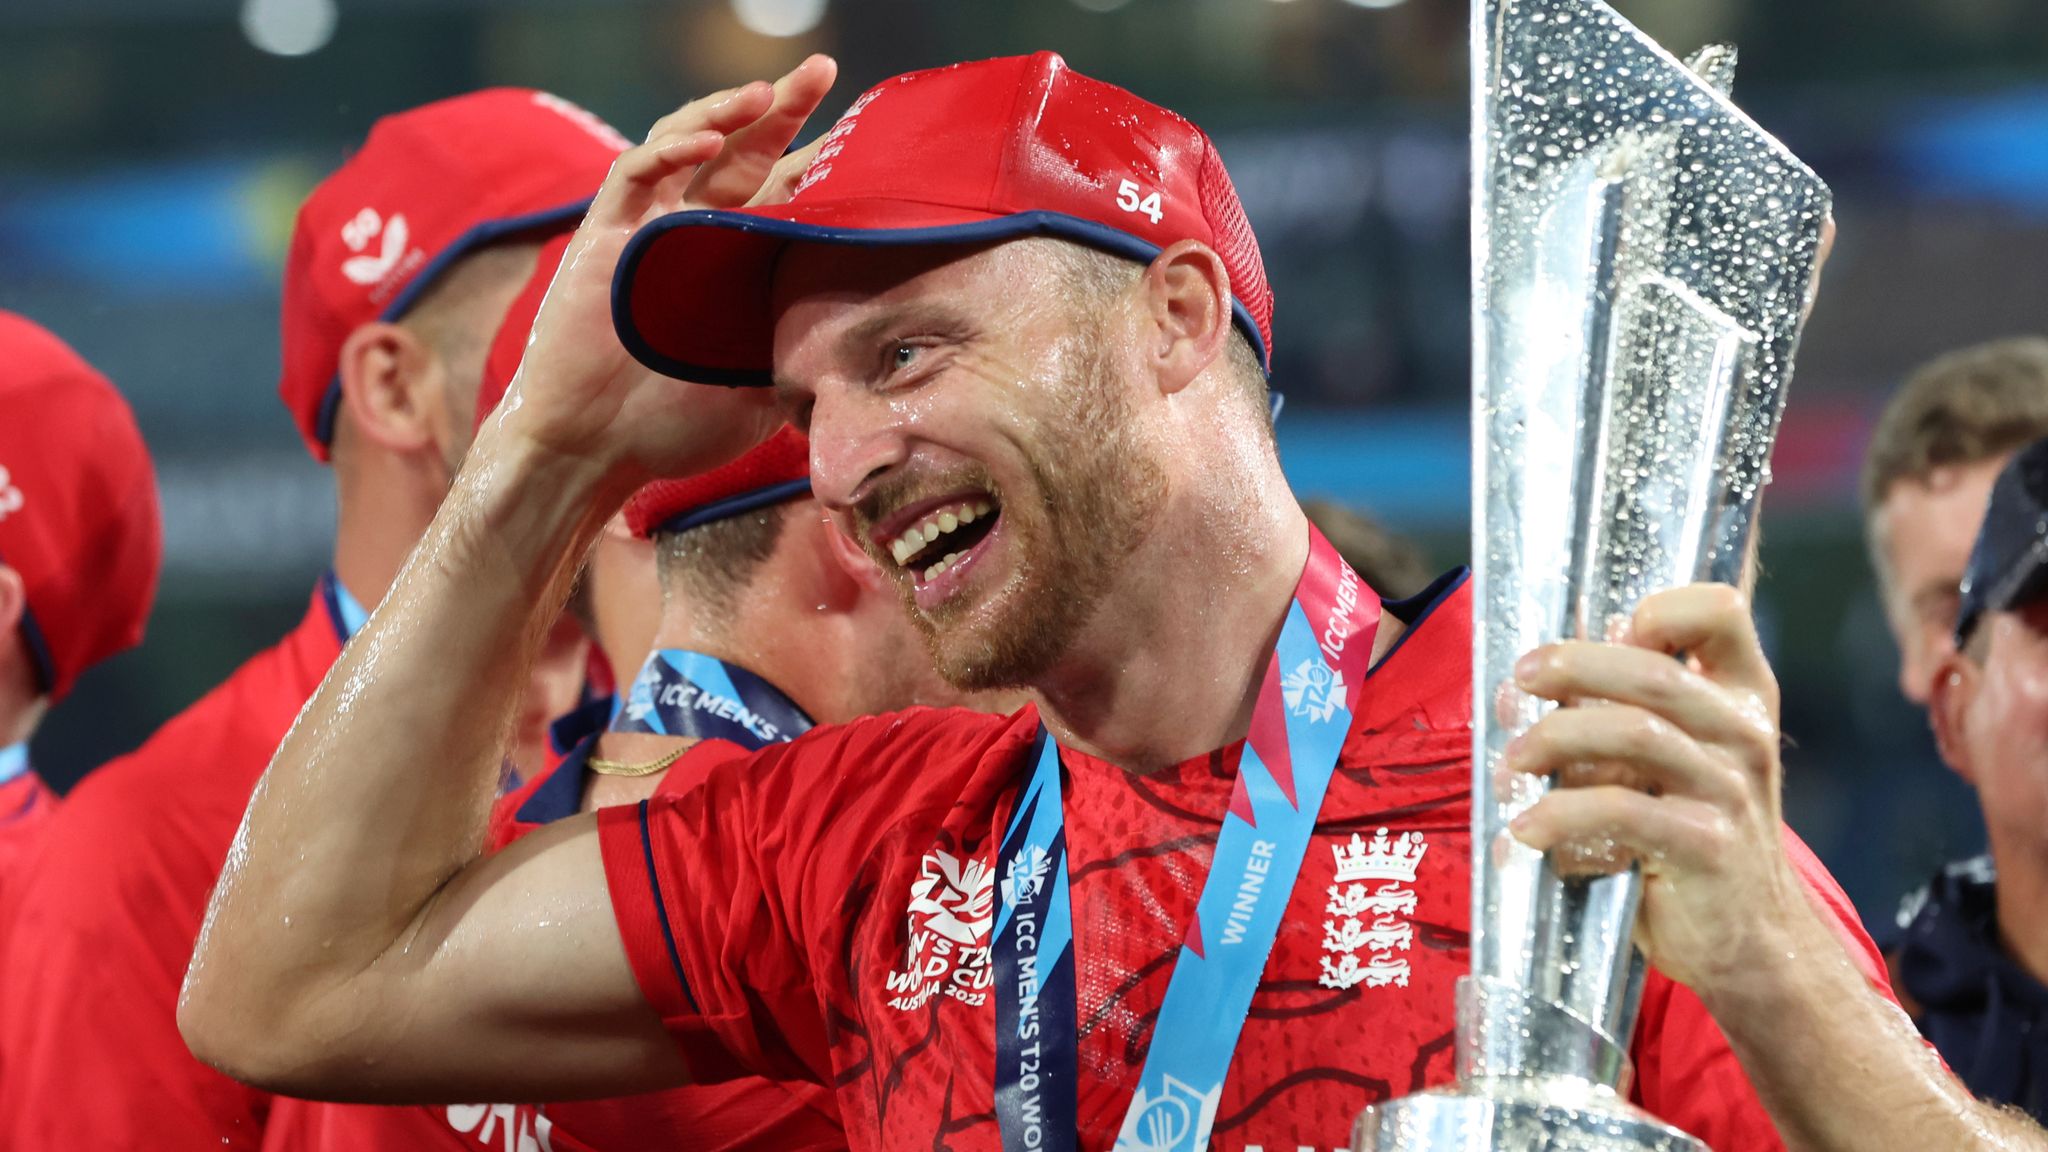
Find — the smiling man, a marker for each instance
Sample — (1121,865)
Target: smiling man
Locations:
(1209,890)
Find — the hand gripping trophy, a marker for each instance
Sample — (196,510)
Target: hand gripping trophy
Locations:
(1642,257)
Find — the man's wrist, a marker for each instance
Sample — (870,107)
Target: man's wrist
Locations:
(1783,963)
(520,500)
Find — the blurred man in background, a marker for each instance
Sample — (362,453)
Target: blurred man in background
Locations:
(1939,444)
(80,548)
(1974,955)
(402,264)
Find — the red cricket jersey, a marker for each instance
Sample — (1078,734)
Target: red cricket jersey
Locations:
(26,804)
(743,1113)
(106,912)
(823,910)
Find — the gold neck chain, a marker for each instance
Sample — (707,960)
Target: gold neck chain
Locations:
(621,768)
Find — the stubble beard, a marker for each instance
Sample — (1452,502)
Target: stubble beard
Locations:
(1097,497)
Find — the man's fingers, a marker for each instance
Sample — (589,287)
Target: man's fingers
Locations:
(737,175)
(1606,828)
(677,145)
(1647,679)
(782,179)
(1711,623)
(638,172)
(727,111)
(1618,744)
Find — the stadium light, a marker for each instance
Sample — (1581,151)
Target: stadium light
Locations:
(288,27)
(779,17)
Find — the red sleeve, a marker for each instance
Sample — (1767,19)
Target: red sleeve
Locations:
(707,923)
(1685,1071)
(90,968)
(738,898)
(26,805)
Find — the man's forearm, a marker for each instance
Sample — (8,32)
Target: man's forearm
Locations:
(381,792)
(1839,1068)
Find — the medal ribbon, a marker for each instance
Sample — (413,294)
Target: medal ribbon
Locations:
(684,693)
(1299,722)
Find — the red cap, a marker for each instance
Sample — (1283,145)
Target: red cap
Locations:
(429,186)
(508,347)
(973,153)
(78,511)
(777,469)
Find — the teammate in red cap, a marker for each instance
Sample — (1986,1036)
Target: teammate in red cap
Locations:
(1210,890)
(80,546)
(401,266)
(749,619)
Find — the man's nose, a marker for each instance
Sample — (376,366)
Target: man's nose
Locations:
(852,444)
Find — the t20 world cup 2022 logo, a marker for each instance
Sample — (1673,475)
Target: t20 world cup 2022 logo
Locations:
(952,908)
(1313,690)
(1179,1117)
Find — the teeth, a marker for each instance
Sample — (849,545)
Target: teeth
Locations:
(918,537)
(939,569)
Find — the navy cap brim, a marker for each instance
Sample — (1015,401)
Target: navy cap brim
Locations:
(731,255)
(2024,582)
(734,505)
(2008,566)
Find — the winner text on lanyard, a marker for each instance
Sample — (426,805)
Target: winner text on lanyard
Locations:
(1303,713)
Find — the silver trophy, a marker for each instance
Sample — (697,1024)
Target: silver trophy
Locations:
(1642,259)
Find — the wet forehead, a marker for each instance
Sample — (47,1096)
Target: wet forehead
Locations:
(1927,528)
(826,296)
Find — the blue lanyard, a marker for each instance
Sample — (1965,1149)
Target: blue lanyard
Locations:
(1299,723)
(684,693)
(13,761)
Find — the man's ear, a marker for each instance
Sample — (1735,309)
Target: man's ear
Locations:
(1187,293)
(389,379)
(1957,680)
(13,599)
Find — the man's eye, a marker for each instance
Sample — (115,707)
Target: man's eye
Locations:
(902,355)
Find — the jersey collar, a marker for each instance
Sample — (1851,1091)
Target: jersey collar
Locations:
(574,736)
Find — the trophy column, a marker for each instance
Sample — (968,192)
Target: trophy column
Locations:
(1642,257)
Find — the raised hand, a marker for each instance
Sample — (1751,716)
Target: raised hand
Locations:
(578,391)
(1677,768)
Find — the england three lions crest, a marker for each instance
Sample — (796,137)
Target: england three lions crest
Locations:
(1314,690)
(1370,930)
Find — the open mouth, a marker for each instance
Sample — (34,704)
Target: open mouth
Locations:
(942,536)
